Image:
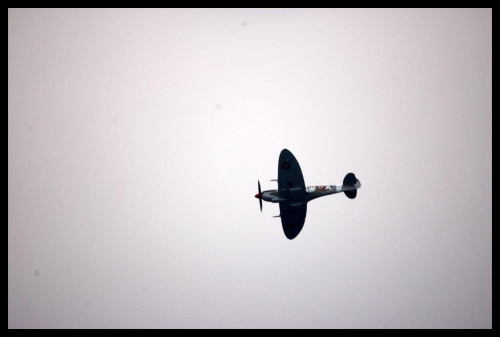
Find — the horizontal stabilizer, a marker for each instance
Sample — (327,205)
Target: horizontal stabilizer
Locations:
(350,180)
(351,194)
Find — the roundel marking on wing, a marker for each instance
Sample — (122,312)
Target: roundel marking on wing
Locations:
(285,165)
(320,188)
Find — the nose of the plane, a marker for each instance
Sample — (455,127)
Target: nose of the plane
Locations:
(258,195)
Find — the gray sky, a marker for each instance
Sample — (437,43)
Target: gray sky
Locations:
(136,139)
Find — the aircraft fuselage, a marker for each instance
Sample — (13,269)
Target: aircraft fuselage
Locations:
(311,192)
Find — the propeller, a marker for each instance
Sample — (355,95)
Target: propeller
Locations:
(259,196)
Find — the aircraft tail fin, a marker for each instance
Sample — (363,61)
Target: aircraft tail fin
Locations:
(351,181)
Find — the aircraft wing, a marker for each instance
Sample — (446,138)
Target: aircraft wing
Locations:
(291,187)
(293,216)
(290,179)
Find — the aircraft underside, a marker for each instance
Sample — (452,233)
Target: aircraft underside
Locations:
(293,196)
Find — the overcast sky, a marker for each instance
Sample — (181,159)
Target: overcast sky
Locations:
(136,138)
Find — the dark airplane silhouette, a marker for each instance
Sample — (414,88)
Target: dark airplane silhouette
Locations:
(293,195)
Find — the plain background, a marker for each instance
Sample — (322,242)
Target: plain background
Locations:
(136,138)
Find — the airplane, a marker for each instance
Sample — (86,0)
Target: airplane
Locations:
(293,195)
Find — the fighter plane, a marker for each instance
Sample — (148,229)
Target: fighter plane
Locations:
(293,195)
